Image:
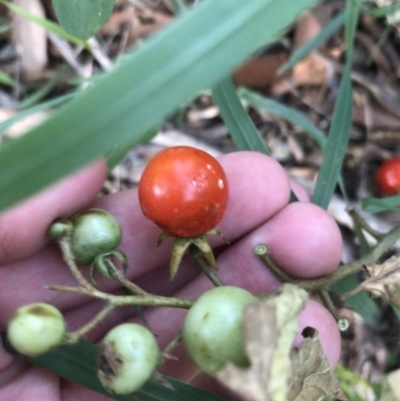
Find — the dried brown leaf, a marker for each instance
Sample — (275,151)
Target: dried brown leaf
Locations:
(276,373)
(312,376)
(269,330)
(383,281)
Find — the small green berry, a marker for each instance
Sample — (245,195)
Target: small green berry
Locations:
(36,328)
(95,232)
(128,358)
(212,331)
(60,228)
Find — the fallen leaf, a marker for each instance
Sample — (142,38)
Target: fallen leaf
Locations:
(312,376)
(269,330)
(383,281)
(276,372)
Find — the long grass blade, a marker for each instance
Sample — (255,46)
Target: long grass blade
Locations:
(78,363)
(339,132)
(195,52)
(331,28)
(242,129)
(278,109)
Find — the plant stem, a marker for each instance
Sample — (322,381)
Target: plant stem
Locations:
(197,256)
(121,300)
(65,245)
(76,335)
(173,344)
(117,275)
(262,252)
(327,301)
(365,226)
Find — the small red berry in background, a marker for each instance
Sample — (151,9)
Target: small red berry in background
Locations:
(388,177)
(184,191)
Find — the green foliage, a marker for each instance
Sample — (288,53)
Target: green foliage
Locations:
(243,132)
(45,23)
(339,133)
(78,363)
(378,205)
(195,52)
(83,18)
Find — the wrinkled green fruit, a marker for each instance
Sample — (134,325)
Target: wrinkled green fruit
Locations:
(128,358)
(95,232)
(212,331)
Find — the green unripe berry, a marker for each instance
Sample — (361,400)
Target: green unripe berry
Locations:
(128,357)
(36,328)
(60,228)
(212,331)
(95,232)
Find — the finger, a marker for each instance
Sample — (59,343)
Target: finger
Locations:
(244,171)
(302,239)
(23,228)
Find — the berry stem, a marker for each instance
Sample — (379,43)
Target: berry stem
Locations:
(173,344)
(122,300)
(197,256)
(262,252)
(68,256)
(117,275)
(76,335)
(364,225)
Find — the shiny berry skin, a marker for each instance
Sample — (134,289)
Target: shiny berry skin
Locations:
(95,232)
(35,329)
(388,177)
(184,191)
(212,331)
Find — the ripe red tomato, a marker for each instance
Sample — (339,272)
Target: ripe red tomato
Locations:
(388,177)
(184,191)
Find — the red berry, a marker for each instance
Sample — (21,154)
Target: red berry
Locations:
(388,177)
(184,191)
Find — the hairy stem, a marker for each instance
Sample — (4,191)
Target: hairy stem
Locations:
(121,300)
(65,245)
(76,335)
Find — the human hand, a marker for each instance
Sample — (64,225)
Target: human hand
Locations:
(303,239)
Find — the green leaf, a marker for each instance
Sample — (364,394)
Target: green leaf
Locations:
(243,132)
(378,205)
(330,29)
(45,23)
(382,11)
(39,107)
(339,133)
(296,118)
(361,302)
(121,150)
(5,79)
(83,18)
(198,50)
(43,90)
(77,363)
